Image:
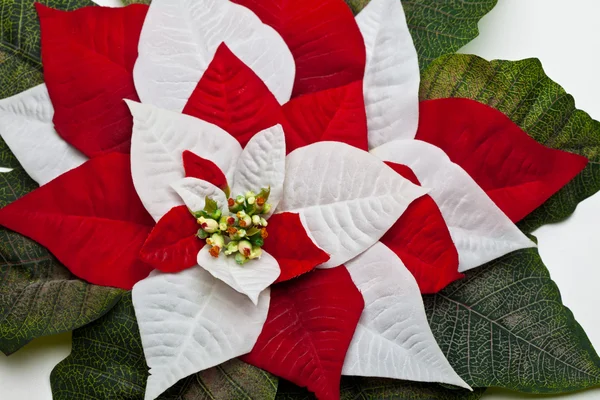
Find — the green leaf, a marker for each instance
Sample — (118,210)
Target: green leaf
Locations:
(522,91)
(38,296)
(439,27)
(504,325)
(353,388)
(231,380)
(20,62)
(107,360)
(210,205)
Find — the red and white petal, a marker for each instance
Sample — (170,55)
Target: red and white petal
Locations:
(159,139)
(262,165)
(289,243)
(91,219)
(194,191)
(190,321)
(231,96)
(26,127)
(346,198)
(180,37)
(88,57)
(172,245)
(479,229)
(518,173)
(393,338)
(336,114)
(310,324)
(323,37)
(391,83)
(249,279)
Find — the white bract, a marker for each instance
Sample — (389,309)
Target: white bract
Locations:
(190,321)
(391,83)
(393,338)
(26,127)
(480,231)
(180,37)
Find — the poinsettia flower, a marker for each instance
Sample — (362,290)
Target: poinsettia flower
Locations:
(325,292)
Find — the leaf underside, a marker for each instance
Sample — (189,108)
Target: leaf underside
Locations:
(504,325)
(522,91)
(438,27)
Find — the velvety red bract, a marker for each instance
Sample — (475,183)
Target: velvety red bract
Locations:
(201,168)
(422,240)
(91,219)
(327,46)
(231,96)
(309,327)
(335,114)
(88,57)
(290,245)
(173,245)
(518,173)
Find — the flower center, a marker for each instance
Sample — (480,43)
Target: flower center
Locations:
(241,231)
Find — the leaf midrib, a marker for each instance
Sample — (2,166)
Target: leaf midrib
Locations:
(501,327)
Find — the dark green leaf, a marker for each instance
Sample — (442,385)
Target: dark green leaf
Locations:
(231,380)
(354,388)
(107,360)
(504,325)
(439,27)
(38,296)
(522,91)
(20,63)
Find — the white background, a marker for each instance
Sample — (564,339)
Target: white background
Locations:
(565,36)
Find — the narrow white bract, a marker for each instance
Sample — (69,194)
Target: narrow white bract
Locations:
(262,164)
(393,338)
(391,84)
(480,230)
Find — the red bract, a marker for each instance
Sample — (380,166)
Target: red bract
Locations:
(421,239)
(517,172)
(91,219)
(323,37)
(335,114)
(173,245)
(201,168)
(309,327)
(88,58)
(289,243)
(231,96)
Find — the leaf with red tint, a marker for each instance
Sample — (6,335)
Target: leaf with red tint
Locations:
(518,173)
(201,168)
(91,219)
(173,245)
(231,96)
(323,37)
(422,240)
(88,56)
(309,327)
(330,115)
(290,245)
